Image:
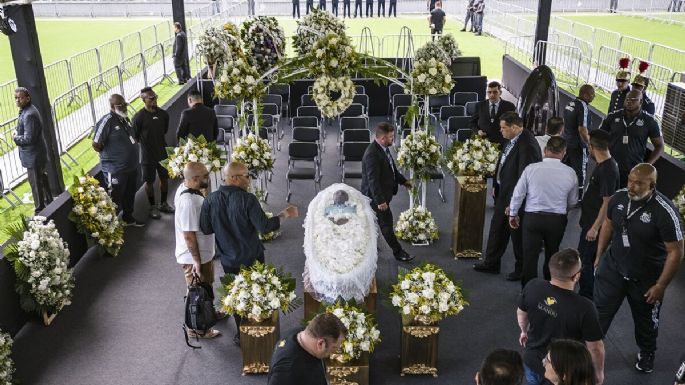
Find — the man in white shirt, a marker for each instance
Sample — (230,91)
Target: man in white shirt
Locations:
(555,127)
(549,188)
(194,250)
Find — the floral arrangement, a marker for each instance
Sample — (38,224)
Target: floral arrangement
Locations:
(321,93)
(268,237)
(416,225)
(257,291)
(332,55)
(449,45)
(431,77)
(679,202)
(263,41)
(475,157)
(238,80)
(254,152)
(192,149)
(427,293)
(420,152)
(40,258)
(214,44)
(433,50)
(312,27)
(95,214)
(362,333)
(6,364)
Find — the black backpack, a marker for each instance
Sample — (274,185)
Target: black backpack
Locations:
(200,315)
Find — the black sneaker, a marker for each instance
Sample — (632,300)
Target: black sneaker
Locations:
(645,362)
(133,223)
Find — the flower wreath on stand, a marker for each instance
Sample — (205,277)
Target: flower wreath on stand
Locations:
(321,93)
(427,294)
(258,291)
(433,50)
(254,152)
(416,225)
(264,41)
(476,157)
(213,43)
(419,152)
(6,364)
(238,79)
(312,27)
(40,258)
(449,45)
(362,331)
(431,77)
(192,150)
(95,214)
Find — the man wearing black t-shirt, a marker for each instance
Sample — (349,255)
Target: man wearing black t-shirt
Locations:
(298,357)
(645,233)
(150,125)
(576,129)
(552,310)
(629,129)
(603,184)
(437,19)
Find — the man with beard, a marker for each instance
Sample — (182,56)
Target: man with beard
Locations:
(629,130)
(114,140)
(645,233)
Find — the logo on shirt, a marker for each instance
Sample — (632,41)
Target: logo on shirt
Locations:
(154,118)
(617,120)
(640,123)
(619,207)
(570,108)
(646,217)
(549,301)
(117,128)
(281,344)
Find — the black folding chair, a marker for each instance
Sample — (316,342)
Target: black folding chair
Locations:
(455,124)
(351,163)
(471,108)
(461,98)
(299,152)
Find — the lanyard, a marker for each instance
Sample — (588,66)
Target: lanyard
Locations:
(630,215)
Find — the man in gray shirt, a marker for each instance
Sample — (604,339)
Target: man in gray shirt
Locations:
(32,150)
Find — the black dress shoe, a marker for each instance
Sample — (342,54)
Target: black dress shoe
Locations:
(462,30)
(485,268)
(403,256)
(514,276)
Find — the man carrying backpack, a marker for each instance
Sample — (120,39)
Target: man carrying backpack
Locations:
(194,250)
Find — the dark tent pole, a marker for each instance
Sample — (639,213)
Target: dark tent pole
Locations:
(542,30)
(28,66)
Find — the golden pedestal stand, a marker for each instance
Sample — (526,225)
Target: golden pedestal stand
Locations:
(348,373)
(257,341)
(312,307)
(419,346)
(469,217)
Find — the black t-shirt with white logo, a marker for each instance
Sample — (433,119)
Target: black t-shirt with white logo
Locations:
(649,224)
(576,114)
(603,183)
(150,129)
(555,313)
(292,365)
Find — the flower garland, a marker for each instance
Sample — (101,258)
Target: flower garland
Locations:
(254,152)
(332,55)
(95,214)
(312,27)
(431,77)
(475,157)
(362,332)
(257,291)
(419,152)
(239,80)
(449,45)
(427,292)
(268,237)
(324,86)
(433,50)
(40,258)
(416,225)
(264,41)
(6,364)
(192,149)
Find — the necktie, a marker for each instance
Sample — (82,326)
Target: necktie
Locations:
(392,164)
(510,145)
(492,112)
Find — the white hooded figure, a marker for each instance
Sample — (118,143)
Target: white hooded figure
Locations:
(340,245)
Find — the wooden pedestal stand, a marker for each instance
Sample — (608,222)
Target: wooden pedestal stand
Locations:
(257,341)
(312,307)
(346,373)
(469,217)
(419,346)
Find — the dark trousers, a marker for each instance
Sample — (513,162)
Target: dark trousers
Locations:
(310,6)
(347,11)
(392,9)
(358,5)
(381,4)
(122,189)
(576,158)
(322,4)
(588,252)
(613,5)
(182,71)
(235,270)
(540,229)
(435,33)
(385,223)
(40,189)
(296,8)
(498,239)
(469,16)
(369,9)
(611,287)
(250,6)
(334,8)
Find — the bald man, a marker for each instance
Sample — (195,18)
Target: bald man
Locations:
(194,249)
(576,131)
(114,140)
(629,130)
(236,218)
(644,230)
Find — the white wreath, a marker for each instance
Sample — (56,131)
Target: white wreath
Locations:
(324,85)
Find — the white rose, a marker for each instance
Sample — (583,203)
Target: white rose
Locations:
(406,309)
(365,346)
(421,78)
(433,71)
(432,91)
(425,309)
(334,63)
(192,157)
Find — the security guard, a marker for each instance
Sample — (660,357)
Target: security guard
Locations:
(576,132)
(346,8)
(358,5)
(618,96)
(309,6)
(645,233)
(640,83)
(629,130)
(381,3)
(322,5)
(369,8)
(334,7)
(296,8)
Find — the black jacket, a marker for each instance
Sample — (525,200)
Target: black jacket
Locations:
(180,44)
(379,182)
(525,151)
(198,120)
(481,120)
(29,138)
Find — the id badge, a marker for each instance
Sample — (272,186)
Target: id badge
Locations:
(625,139)
(624,237)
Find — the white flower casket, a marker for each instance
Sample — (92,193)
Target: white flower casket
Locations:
(339,245)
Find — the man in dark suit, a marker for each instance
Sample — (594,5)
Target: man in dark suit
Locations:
(380,181)
(334,7)
(346,8)
(296,8)
(485,121)
(358,5)
(309,6)
(322,5)
(180,53)
(521,150)
(381,3)
(198,119)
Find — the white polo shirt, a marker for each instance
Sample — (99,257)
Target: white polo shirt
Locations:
(187,218)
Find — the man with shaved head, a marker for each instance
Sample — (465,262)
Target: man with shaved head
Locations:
(235,217)
(644,230)
(576,132)
(629,130)
(194,250)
